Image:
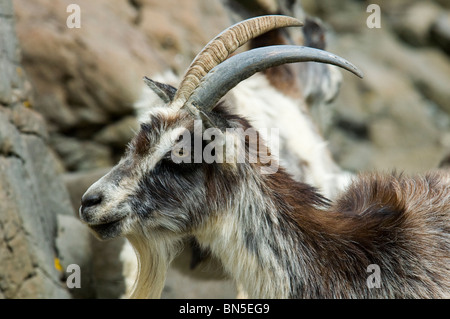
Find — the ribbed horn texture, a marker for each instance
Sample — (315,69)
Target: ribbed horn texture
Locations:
(224,44)
(229,73)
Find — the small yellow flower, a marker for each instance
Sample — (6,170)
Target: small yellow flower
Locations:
(27,104)
(58,264)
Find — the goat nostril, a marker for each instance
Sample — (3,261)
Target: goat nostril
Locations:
(91,200)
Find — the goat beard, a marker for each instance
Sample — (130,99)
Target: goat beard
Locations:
(154,255)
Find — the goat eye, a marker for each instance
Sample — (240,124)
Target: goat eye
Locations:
(180,154)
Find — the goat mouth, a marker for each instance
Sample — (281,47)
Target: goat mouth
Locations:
(109,229)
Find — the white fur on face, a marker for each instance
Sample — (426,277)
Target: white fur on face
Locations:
(166,142)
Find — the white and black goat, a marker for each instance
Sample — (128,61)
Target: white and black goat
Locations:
(276,237)
(279,97)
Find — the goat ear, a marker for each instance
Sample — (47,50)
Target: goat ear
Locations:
(164,91)
(314,34)
(320,82)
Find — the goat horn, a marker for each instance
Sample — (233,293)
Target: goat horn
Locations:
(224,44)
(228,74)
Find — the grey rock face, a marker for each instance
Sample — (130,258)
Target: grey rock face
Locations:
(32,194)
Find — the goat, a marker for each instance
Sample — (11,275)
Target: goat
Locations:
(277,237)
(277,97)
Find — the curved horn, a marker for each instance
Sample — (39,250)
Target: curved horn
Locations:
(224,44)
(228,74)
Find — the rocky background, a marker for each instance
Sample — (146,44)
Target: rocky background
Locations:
(32,194)
(398,116)
(66,114)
